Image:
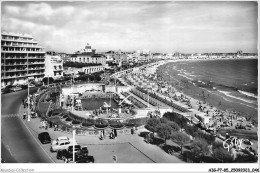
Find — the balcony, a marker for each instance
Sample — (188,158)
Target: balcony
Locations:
(15,57)
(21,45)
(35,63)
(14,76)
(22,51)
(15,70)
(18,40)
(14,64)
(34,74)
(14,34)
(37,68)
(36,57)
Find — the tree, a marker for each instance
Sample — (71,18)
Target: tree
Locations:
(81,73)
(47,81)
(152,123)
(177,118)
(164,131)
(208,137)
(174,126)
(164,120)
(97,78)
(79,64)
(191,130)
(91,77)
(199,148)
(222,155)
(180,138)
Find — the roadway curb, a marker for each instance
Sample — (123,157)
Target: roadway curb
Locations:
(141,152)
(29,129)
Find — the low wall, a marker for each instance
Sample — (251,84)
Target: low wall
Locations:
(97,132)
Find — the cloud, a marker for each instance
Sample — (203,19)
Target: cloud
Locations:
(158,26)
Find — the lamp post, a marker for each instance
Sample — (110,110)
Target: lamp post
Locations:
(48,81)
(28,108)
(28,101)
(73,134)
(28,98)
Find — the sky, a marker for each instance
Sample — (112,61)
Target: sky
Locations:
(166,27)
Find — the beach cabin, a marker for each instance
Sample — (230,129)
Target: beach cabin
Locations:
(203,117)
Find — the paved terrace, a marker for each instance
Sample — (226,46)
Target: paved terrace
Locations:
(127,148)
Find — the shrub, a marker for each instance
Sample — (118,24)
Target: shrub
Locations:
(177,118)
(137,122)
(199,148)
(191,130)
(246,158)
(208,137)
(180,138)
(68,119)
(222,155)
(75,122)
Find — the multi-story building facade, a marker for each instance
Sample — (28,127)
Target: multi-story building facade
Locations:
(88,55)
(21,57)
(54,66)
(109,56)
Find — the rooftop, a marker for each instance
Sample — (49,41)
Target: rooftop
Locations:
(16,34)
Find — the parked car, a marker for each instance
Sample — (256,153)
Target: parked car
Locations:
(61,138)
(77,148)
(65,154)
(6,90)
(68,154)
(62,154)
(44,137)
(84,151)
(85,159)
(60,145)
(16,88)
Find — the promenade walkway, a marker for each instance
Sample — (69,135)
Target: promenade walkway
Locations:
(161,95)
(141,100)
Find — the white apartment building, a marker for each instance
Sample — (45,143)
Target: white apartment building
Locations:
(21,57)
(53,66)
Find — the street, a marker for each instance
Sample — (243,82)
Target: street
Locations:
(17,144)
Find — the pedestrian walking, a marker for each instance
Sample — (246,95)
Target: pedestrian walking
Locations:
(101,136)
(24,115)
(55,127)
(66,160)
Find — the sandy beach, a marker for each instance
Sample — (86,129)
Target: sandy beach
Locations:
(183,85)
(209,104)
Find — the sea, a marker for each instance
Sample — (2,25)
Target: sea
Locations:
(235,81)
